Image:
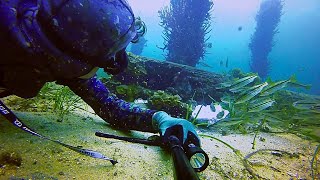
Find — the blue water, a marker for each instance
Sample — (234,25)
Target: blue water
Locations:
(297,45)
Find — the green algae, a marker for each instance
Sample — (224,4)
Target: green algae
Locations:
(10,158)
(160,100)
(137,69)
(129,92)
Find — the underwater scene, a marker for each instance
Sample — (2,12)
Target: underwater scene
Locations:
(160,89)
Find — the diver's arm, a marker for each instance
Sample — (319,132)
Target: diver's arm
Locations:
(115,111)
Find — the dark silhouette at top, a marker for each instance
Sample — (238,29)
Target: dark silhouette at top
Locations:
(186,24)
(262,40)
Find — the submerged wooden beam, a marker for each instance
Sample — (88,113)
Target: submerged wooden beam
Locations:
(186,81)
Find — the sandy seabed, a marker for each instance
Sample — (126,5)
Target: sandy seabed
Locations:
(42,159)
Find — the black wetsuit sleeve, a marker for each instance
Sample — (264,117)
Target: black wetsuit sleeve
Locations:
(113,110)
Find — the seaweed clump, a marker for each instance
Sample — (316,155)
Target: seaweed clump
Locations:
(262,41)
(172,104)
(52,97)
(10,158)
(131,92)
(186,23)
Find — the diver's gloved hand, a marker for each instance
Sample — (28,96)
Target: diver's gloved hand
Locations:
(181,128)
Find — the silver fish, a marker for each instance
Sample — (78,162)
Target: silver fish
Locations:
(224,85)
(316,107)
(307,104)
(252,92)
(298,85)
(277,86)
(220,115)
(240,83)
(260,105)
(212,107)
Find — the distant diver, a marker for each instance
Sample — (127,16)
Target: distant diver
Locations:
(141,29)
(240,28)
(221,62)
(162,48)
(208,45)
(227,62)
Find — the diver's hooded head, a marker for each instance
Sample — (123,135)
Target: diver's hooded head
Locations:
(90,30)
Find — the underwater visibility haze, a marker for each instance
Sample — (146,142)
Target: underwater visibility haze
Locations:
(241,76)
(290,42)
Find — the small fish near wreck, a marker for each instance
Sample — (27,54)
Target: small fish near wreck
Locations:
(252,92)
(307,105)
(273,87)
(238,84)
(259,105)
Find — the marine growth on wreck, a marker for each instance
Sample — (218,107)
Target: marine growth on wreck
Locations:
(186,26)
